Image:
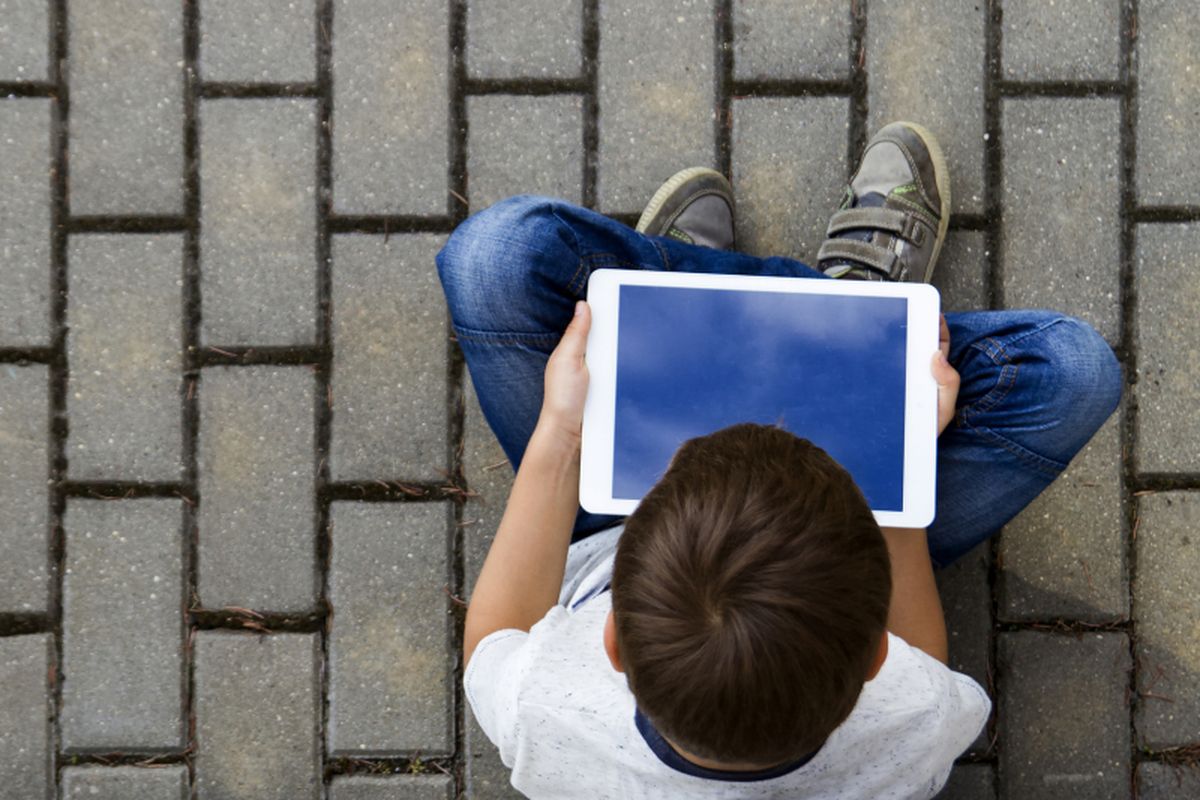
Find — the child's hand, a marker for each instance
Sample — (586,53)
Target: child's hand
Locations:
(946,377)
(567,379)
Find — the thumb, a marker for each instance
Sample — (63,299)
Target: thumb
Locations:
(945,375)
(574,340)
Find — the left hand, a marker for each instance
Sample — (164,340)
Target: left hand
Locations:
(947,378)
(566,379)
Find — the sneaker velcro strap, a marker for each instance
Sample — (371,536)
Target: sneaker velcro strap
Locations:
(870,255)
(892,220)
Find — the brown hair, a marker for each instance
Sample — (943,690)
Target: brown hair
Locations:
(750,591)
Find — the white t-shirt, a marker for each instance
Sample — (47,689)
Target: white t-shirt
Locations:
(564,719)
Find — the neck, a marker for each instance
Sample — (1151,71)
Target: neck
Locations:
(728,766)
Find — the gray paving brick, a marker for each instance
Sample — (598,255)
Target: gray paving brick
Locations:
(406,787)
(24,469)
(523,39)
(390,656)
(1163,782)
(123,685)
(125,783)
(786,194)
(1063,716)
(24,41)
(967,605)
(656,96)
(1168,640)
(1064,555)
(389,358)
(1168,102)
(241,751)
(961,274)
(24,219)
(943,92)
(390,102)
(126,131)
(1076,41)
(490,477)
(260,41)
(524,145)
(257,231)
(1062,205)
(26,708)
(257,544)
(124,347)
(786,39)
(1167,386)
(970,782)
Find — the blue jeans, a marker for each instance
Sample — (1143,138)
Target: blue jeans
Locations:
(1036,385)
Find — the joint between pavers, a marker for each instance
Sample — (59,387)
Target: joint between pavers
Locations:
(214,90)
(163,223)
(1009,89)
(27,89)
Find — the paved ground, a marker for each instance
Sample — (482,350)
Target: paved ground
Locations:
(230,406)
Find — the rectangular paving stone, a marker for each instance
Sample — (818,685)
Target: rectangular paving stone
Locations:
(24,472)
(1168,96)
(24,41)
(1168,636)
(1076,41)
(1062,207)
(391,72)
(390,659)
(524,145)
(1168,377)
(657,97)
(124,347)
(783,39)
(1063,557)
(257,222)
(392,787)
(389,358)
(242,752)
(122,626)
(26,754)
(489,476)
(126,131)
(257,542)
(970,782)
(25,219)
(524,39)
(125,783)
(1063,716)
(961,274)
(258,41)
(1165,782)
(785,195)
(943,93)
(967,604)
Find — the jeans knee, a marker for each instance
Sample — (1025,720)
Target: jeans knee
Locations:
(1081,376)
(487,252)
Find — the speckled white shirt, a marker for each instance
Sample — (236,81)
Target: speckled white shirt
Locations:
(564,720)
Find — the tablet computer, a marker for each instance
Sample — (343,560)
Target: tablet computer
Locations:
(845,364)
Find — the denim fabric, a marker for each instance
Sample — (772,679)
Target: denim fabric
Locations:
(1036,385)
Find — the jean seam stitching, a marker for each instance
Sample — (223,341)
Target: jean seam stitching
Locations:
(1048,466)
(503,338)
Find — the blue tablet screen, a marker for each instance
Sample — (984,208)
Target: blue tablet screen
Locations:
(827,368)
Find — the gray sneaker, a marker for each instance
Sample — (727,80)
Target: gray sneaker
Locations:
(892,223)
(695,205)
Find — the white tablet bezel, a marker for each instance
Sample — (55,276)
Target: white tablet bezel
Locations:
(920,416)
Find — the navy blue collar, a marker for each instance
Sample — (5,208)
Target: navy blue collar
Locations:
(669,756)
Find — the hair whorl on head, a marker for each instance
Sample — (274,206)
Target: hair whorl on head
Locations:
(750,590)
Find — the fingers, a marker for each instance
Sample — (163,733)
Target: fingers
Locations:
(574,341)
(944,336)
(948,380)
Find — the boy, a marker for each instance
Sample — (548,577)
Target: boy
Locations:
(749,631)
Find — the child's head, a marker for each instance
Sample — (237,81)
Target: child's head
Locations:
(750,594)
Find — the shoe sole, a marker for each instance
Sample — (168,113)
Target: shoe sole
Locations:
(942,176)
(667,202)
